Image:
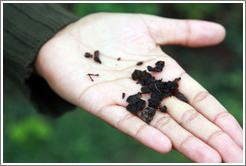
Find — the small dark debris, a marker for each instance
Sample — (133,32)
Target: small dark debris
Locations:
(134,98)
(138,106)
(158,66)
(154,103)
(145,89)
(146,79)
(88,55)
(118,59)
(96,57)
(150,68)
(163,109)
(138,74)
(123,95)
(176,80)
(89,74)
(157,89)
(148,120)
(96,53)
(180,96)
(135,103)
(139,63)
(148,114)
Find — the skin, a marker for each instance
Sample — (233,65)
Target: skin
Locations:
(202,129)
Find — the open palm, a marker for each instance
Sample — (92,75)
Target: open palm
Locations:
(202,129)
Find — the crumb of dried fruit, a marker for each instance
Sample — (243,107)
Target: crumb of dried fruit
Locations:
(123,95)
(138,74)
(138,106)
(148,114)
(146,79)
(158,66)
(145,89)
(96,57)
(163,109)
(135,103)
(134,98)
(154,103)
(180,96)
(96,53)
(139,63)
(88,55)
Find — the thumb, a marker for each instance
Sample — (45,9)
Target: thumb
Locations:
(191,33)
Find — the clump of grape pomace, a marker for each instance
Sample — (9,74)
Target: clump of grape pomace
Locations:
(157,89)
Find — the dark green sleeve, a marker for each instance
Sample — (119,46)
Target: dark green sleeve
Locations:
(26,27)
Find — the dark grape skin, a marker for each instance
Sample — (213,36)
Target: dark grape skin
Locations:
(157,89)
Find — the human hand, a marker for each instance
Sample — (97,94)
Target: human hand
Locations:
(202,129)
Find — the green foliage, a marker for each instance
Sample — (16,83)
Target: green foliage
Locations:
(197,10)
(29,131)
(84,9)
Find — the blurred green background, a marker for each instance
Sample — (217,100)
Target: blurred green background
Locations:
(80,137)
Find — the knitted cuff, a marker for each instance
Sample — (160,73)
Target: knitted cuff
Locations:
(26,27)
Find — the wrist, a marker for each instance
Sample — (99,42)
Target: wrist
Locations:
(48,52)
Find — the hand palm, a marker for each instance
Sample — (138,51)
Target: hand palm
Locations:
(129,37)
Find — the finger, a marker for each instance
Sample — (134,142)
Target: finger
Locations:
(202,101)
(207,105)
(199,126)
(130,124)
(183,141)
(192,33)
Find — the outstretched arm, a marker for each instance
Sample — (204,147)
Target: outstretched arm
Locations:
(202,129)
